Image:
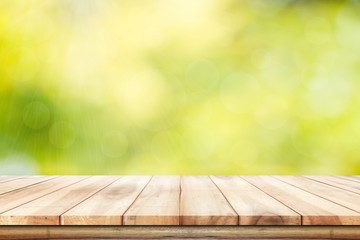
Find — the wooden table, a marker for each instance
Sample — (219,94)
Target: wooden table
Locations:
(177,207)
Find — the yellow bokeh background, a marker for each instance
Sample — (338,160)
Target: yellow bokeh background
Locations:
(179,87)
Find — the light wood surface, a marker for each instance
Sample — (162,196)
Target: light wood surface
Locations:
(315,210)
(351,178)
(21,196)
(340,196)
(158,204)
(107,206)
(180,200)
(47,209)
(342,183)
(17,183)
(8,178)
(203,204)
(254,206)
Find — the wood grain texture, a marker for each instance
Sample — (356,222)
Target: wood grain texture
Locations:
(203,204)
(175,200)
(158,203)
(179,232)
(21,196)
(47,209)
(314,210)
(334,194)
(18,183)
(253,206)
(8,178)
(351,178)
(342,183)
(107,206)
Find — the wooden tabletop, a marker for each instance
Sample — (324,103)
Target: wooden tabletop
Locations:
(180,200)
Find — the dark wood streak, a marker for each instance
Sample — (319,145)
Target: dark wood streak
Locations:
(179,232)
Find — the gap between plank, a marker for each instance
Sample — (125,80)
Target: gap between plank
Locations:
(122,217)
(329,184)
(12,179)
(349,178)
(60,220)
(317,195)
(28,185)
(43,195)
(301,217)
(238,221)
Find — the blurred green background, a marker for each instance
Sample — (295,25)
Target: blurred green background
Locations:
(179,87)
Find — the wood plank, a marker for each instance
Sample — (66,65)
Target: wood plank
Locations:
(22,182)
(8,178)
(342,197)
(203,237)
(20,196)
(351,178)
(158,204)
(253,206)
(47,209)
(338,182)
(201,203)
(107,206)
(314,210)
(180,232)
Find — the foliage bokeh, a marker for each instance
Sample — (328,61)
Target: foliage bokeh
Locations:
(179,87)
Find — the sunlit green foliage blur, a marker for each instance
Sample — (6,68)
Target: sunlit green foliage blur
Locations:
(179,87)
